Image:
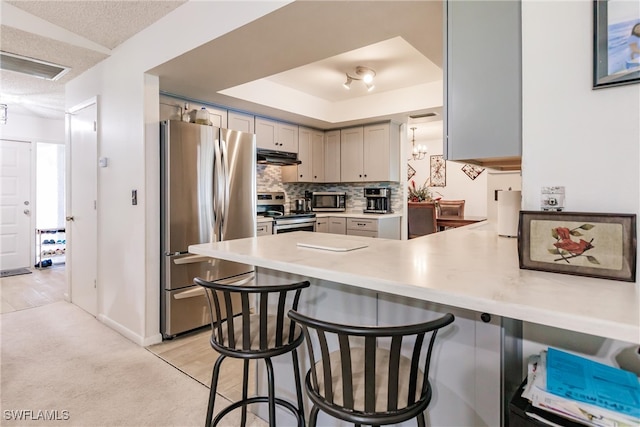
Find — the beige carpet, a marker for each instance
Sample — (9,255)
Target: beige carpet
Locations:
(57,361)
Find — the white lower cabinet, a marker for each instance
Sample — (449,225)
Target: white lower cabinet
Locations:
(386,228)
(337,225)
(264,228)
(322,225)
(333,225)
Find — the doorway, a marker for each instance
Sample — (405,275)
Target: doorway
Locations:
(15,204)
(82,222)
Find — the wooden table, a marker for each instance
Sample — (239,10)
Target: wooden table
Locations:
(456,221)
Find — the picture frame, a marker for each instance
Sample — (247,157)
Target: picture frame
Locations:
(472,171)
(438,171)
(616,43)
(588,244)
(410,172)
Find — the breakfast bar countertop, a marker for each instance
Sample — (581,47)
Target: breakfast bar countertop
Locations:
(469,267)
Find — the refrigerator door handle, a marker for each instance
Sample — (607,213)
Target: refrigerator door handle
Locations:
(193,259)
(217,196)
(198,291)
(227,189)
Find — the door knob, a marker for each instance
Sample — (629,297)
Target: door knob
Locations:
(70,218)
(26,211)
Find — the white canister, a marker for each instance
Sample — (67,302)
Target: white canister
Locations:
(508,212)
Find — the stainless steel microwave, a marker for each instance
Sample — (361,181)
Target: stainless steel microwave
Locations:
(328,201)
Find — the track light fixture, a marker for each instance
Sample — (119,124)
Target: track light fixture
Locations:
(364,74)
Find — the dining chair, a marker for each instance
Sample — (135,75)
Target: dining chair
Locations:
(452,208)
(421,217)
(359,374)
(261,331)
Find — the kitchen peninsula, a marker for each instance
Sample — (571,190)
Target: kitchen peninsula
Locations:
(464,270)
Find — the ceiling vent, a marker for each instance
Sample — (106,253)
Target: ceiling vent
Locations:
(423,116)
(31,67)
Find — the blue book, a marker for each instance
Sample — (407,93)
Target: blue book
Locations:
(584,380)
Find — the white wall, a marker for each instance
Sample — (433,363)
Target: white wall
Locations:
(586,140)
(24,127)
(458,184)
(128,246)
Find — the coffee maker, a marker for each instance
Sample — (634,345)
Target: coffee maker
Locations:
(377,200)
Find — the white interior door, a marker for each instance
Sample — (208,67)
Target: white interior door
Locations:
(15,204)
(82,184)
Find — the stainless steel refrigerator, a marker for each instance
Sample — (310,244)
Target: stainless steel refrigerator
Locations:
(208,194)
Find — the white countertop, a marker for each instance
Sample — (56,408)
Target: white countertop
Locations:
(469,267)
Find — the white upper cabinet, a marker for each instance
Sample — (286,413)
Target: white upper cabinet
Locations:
(273,135)
(332,156)
(311,155)
(381,152)
(370,153)
(483,82)
(317,156)
(241,122)
(351,154)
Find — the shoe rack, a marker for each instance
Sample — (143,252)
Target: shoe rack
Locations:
(51,246)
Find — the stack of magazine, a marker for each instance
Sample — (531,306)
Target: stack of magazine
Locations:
(582,390)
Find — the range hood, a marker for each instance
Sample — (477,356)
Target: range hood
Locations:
(279,158)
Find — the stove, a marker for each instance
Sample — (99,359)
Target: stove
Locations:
(271,205)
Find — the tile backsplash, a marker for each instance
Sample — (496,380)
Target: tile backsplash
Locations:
(269,178)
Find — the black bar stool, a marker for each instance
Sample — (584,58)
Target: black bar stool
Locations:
(366,380)
(262,334)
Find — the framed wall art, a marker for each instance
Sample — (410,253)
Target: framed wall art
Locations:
(581,243)
(472,171)
(616,43)
(410,172)
(438,175)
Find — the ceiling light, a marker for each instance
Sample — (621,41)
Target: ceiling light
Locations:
(31,67)
(419,151)
(347,84)
(363,74)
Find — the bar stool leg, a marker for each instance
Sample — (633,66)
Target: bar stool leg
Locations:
(296,375)
(313,416)
(245,386)
(214,386)
(272,392)
(421,422)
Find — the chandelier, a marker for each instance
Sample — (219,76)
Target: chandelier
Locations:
(419,151)
(362,73)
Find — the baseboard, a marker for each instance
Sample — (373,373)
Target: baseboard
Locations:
(154,339)
(125,332)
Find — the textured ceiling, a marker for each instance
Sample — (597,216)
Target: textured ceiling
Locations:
(402,39)
(105,23)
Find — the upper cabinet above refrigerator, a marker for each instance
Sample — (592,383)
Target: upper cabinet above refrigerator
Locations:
(483,83)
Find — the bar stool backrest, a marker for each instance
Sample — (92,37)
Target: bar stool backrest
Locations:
(262,327)
(367,380)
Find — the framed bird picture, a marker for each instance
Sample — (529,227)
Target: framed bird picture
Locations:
(438,174)
(582,243)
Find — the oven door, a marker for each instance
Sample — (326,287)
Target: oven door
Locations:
(289,226)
